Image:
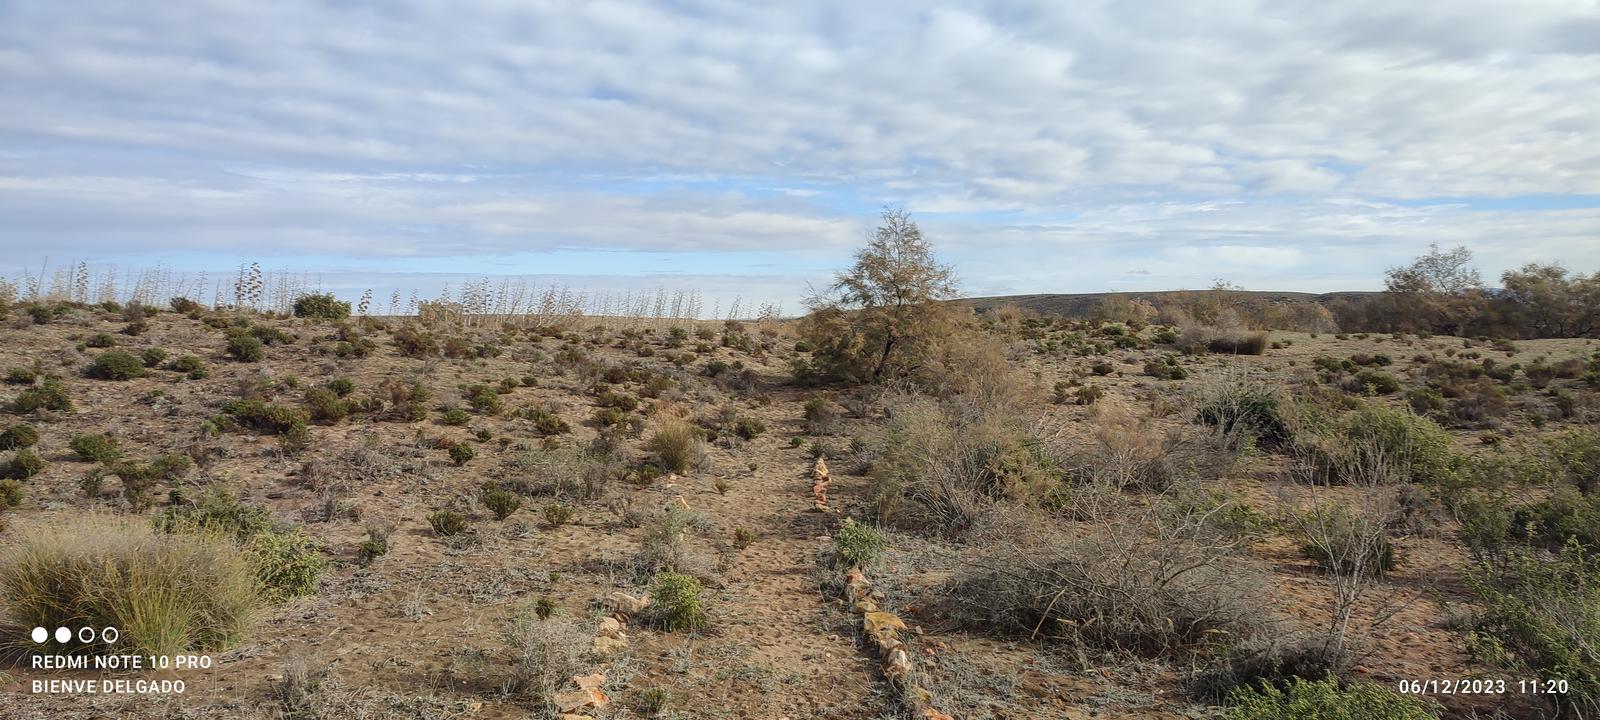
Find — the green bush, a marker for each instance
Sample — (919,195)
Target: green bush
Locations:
(1374,382)
(556,514)
(25,464)
(1245,410)
(287,564)
(10,494)
(1341,545)
(18,436)
(215,512)
(153,357)
(1576,454)
(1405,441)
(460,453)
(1565,516)
(1538,619)
(244,347)
(447,522)
(48,395)
(95,448)
(857,545)
(269,418)
(166,594)
(675,602)
(500,501)
(325,406)
(342,386)
(190,365)
(455,417)
(116,365)
(484,399)
(100,340)
(748,428)
(321,306)
(21,376)
(1326,699)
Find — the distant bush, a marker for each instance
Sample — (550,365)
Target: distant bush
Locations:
(447,522)
(321,306)
(1165,369)
(166,594)
(116,365)
(244,347)
(185,306)
(556,514)
(1374,382)
(153,357)
(484,399)
(1240,409)
(10,494)
(461,452)
(1327,699)
(21,376)
(500,501)
(675,603)
(414,342)
(325,406)
(100,340)
(455,417)
(190,365)
(269,418)
(95,448)
(18,436)
(25,464)
(48,395)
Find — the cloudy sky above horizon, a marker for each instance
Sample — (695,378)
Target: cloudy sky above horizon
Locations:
(744,150)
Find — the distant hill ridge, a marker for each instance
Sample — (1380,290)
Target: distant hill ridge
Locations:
(1078,305)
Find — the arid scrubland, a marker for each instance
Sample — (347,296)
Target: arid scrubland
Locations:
(891,507)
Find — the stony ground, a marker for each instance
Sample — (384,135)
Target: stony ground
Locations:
(421,632)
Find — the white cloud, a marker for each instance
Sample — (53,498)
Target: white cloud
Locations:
(478,128)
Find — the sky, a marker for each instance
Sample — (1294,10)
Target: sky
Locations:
(743,149)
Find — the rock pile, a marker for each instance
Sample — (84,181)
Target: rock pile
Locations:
(610,638)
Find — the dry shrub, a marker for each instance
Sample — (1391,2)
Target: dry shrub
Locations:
(545,655)
(1133,453)
(166,593)
(1143,578)
(677,446)
(944,461)
(666,543)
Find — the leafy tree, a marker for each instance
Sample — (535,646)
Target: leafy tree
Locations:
(883,317)
(1441,289)
(1544,301)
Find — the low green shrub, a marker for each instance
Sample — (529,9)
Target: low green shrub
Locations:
(321,306)
(244,347)
(447,522)
(95,447)
(675,602)
(287,564)
(116,365)
(857,545)
(1538,619)
(18,436)
(25,464)
(47,395)
(1327,699)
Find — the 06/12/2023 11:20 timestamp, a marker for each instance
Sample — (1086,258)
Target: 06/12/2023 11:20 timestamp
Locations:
(1482,686)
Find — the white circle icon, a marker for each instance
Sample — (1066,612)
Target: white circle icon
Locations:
(63,634)
(40,634)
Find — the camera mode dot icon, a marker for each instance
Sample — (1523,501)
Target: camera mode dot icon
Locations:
(63,634)
(40,634)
